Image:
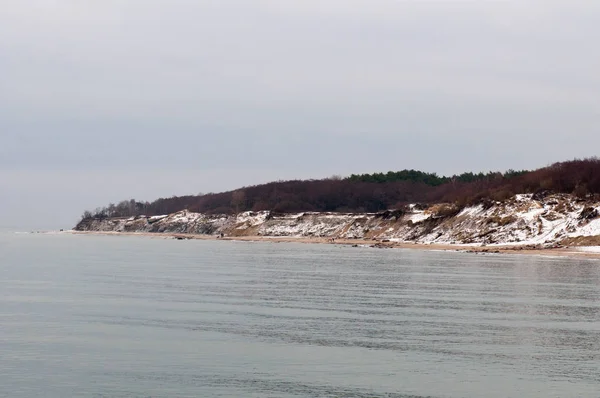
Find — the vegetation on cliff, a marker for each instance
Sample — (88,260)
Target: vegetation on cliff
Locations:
(374,192)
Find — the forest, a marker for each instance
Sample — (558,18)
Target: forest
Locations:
(374,192)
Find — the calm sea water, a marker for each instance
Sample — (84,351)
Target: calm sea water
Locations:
(96,316)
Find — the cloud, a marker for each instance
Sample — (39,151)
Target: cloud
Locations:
(306,88)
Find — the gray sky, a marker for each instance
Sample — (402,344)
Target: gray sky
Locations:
(103,100)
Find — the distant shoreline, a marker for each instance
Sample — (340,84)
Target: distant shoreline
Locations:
(572,252)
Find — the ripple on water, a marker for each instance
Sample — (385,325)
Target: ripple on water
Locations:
(127,316)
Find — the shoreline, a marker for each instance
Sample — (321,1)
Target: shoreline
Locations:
(570,251)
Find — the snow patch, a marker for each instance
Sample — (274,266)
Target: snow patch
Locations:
(589,249)
(517,221)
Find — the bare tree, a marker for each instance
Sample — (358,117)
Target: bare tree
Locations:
(238,200)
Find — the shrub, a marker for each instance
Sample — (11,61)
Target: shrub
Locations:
(501,221)
(447,211)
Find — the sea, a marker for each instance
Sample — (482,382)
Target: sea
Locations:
(125,316)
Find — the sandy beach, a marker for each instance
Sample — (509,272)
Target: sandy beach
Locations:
(569,251)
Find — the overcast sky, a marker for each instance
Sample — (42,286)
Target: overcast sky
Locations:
(103,100)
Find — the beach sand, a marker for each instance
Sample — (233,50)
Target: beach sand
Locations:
(571,251)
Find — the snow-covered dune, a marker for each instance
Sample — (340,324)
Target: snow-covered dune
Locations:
(521,220)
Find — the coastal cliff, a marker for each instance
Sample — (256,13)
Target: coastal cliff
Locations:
(541,220)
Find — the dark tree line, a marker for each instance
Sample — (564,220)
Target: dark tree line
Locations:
(375,192)
(430,178)
(125,208)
